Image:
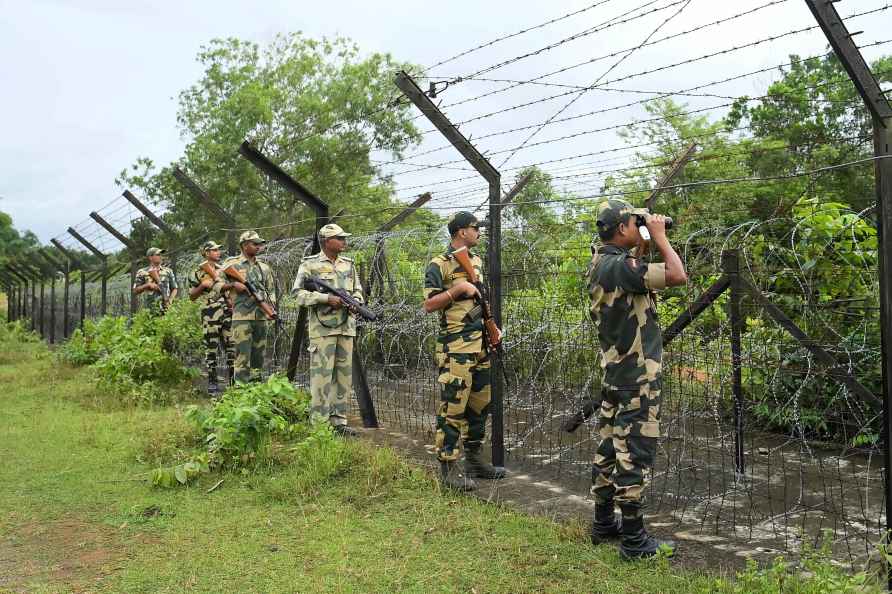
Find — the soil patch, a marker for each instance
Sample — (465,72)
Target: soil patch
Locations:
(69,551)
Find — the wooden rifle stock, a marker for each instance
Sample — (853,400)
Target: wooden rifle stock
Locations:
(209,270)
(490,330)
(268,310)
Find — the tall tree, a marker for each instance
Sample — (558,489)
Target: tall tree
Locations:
(317,108)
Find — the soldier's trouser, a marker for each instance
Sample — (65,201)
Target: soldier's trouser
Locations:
(331,377)
(464,401)
(249,340)
(629,427)
(217,325)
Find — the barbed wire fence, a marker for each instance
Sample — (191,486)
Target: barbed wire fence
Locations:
(773,434)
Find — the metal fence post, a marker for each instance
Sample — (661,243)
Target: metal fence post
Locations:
(731,269)
(881,113)
(53,309)
(412,92)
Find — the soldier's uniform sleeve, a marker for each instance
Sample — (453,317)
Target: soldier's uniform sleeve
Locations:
(433,280)
(636,276)
(194,278)
(304,297)
(174,283)
(141,278)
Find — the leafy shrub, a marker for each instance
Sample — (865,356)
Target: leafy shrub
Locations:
(142,362)
(239,425)
(17,331)
(238,429)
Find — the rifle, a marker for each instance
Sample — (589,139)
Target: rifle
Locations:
(268,310)
(316,284)
(209,270)
(165,296)
(491,339)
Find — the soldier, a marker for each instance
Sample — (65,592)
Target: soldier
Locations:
(620,287)
(331,327)
(464,369)
(210,286)
(158,295)
(249,324)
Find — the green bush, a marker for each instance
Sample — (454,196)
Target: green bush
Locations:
(142,361)
(239,425)
(237,432)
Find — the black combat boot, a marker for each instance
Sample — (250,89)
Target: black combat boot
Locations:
(636,542)
(451,477)
(231,374)
(476,467)
(213,386)
(605,524)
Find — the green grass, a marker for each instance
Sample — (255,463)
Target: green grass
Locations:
(76,496)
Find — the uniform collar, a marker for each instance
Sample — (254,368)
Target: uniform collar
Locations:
(450,249)
(609,248)
(325,257)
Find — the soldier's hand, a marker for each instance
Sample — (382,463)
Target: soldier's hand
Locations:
(656,224)
(207,283)
(464,289)
(239,287)
(335,302)
(153,287)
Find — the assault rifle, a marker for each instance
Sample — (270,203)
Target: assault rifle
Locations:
(165,296)
(316,284)
(268,310)
(492,340)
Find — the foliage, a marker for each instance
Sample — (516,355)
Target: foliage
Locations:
(142,361)
(17,331)
(237,432)
(317,108)
(815,574)
(238,426)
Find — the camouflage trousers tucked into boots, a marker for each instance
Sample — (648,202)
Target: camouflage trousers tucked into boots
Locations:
(249,340)
(217,327)
(464,402)
(629,426)
(331,377)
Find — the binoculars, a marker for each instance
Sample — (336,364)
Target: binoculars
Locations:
(642,227)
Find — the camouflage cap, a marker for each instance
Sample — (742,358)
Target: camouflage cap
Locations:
(613,211)
(332,230)
(208,246)
(251,236)
(153,251)
(460,220)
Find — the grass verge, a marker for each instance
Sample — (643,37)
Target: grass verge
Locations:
(78,513)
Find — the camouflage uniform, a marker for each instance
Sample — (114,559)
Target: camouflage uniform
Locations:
(464,371)
(216,316)
(249,325)
(331,331)
(631,343)
(152,300)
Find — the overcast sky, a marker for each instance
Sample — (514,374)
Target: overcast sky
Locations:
(90,85)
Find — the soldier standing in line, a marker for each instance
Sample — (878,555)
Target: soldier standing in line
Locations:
(210,287)
(249,323)
(332,328)
(464,369)
(620,287)
(158,295)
